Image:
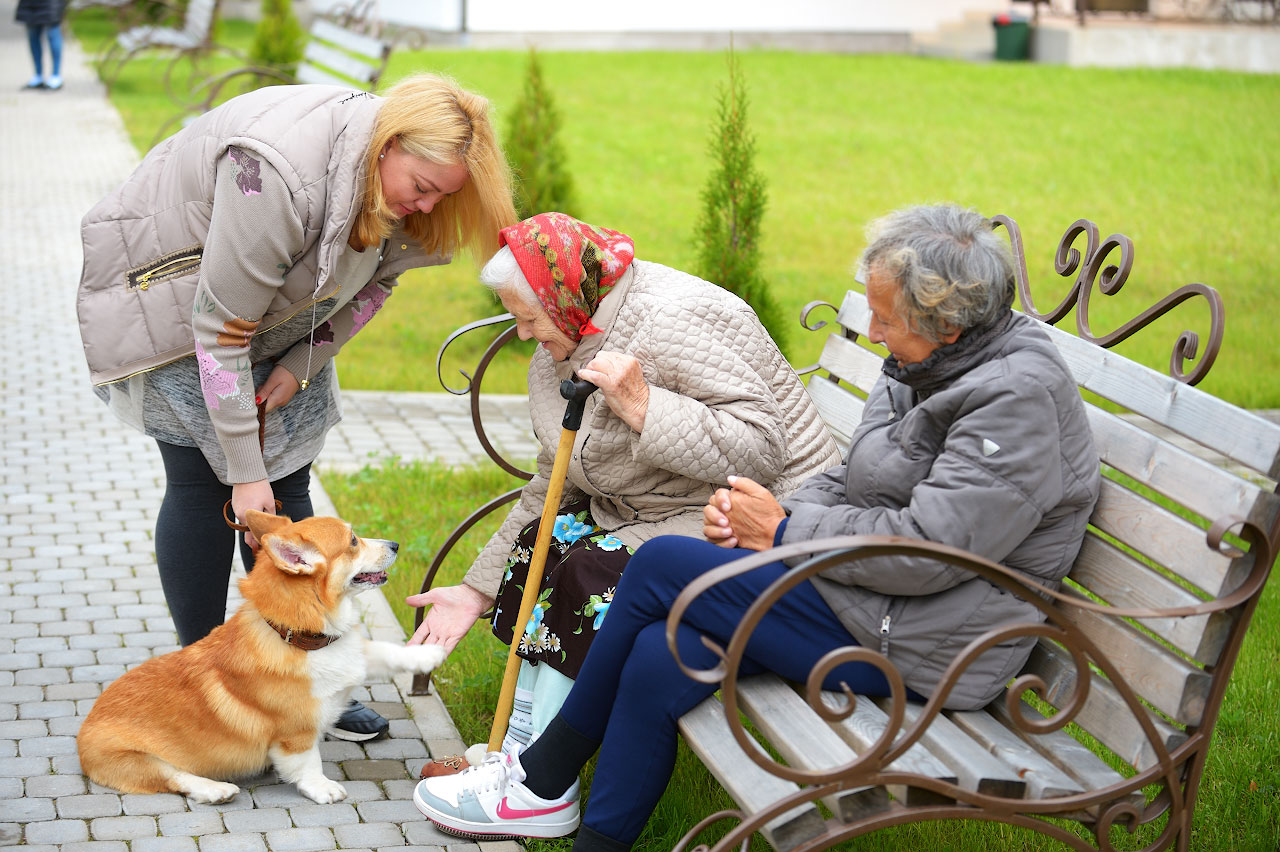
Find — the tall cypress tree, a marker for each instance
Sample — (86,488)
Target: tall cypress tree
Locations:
(542,179)
(733,204)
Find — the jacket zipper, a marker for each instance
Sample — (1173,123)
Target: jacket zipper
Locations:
(171,267)
(260,331)
(884,635)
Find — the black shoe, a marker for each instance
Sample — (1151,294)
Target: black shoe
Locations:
(357,724)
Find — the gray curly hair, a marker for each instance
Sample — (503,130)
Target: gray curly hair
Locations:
(953,272)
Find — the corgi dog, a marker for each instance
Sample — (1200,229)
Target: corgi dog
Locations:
(260,689)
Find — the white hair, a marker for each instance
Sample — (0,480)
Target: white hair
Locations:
(502,275)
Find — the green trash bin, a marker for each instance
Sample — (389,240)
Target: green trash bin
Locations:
(1013,37)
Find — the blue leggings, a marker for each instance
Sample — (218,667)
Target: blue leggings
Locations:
(54,37)
(630,692)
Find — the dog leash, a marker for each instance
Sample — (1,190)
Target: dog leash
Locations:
(226,507)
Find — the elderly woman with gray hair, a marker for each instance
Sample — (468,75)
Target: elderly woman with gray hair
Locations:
(975,437)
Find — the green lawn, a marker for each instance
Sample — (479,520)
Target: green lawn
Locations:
(1187,163)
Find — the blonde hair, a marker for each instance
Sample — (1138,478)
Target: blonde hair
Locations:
(432,117)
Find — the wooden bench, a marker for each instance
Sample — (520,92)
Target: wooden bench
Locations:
(1131,665)
(338,52)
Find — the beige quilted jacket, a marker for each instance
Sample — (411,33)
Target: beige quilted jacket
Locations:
(723,400)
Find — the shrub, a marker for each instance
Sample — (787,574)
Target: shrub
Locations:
(278,42)
(733,203)
(542,180)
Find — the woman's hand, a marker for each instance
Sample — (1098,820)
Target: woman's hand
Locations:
(743,515)
(453,610)
(278,389)
(622,382)
(252,495)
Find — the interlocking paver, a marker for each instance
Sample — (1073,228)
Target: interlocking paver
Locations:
(122,827)
(300,840)
(80,598)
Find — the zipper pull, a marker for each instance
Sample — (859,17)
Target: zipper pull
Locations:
(884,635)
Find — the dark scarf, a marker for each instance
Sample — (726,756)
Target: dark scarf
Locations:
(945,363)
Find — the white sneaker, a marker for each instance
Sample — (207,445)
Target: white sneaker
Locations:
(54,83)
(488,802)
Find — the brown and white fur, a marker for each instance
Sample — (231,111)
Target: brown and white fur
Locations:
(242,698)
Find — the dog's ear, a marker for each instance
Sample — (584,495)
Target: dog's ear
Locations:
(260,523)
(291,555)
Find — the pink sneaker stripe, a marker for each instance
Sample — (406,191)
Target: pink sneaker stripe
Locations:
(504,811)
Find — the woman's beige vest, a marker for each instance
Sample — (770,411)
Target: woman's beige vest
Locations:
(143,242)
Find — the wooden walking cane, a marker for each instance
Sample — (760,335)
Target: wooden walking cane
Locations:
(576,392)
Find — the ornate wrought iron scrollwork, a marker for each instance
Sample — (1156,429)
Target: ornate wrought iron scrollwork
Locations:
(1110,277)
(1116,804)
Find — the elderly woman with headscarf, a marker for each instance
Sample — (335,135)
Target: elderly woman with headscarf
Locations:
(975,437)
(692,391)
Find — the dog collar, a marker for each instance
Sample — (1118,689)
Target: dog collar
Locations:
(301,638)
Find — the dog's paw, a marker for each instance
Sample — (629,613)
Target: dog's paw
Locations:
(322,790)
(425,658)
(210,792)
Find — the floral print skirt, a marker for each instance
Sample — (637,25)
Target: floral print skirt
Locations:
(583,566)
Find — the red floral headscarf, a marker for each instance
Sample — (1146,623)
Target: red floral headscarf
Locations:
(570,265)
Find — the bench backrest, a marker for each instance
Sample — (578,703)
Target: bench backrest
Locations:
(1162,500)
(337,56)
(198,23)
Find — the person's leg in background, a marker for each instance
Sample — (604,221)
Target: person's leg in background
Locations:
(34,35)
(193,544)
(54,34)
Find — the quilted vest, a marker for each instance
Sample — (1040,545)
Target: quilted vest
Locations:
(143,242)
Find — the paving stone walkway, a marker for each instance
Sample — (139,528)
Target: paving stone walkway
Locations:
(80,599)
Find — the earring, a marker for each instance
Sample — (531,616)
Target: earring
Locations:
(382,156)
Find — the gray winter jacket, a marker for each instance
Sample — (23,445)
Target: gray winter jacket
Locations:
(984,446)
(722,400)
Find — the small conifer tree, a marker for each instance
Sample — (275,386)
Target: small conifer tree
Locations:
(733,204)
(278,40)
(542,179)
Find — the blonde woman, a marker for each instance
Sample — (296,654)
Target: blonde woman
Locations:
(223,276)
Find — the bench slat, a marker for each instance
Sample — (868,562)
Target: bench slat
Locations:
(706,731)
(1063,750)
(1104,715)
(1191,481)
(850,362)
(331,60)
(1044,779)
(838,407)
(373,48)
(1170,541)
(804,740)
(975,768)
(865,725)
(313,74)
(1172,685)
(1238,434)
(1121,580)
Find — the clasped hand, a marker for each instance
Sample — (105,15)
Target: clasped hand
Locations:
(743,515)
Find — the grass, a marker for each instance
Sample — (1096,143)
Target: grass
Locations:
(1187,163)
(418,504)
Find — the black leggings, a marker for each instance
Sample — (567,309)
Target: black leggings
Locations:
(194,546)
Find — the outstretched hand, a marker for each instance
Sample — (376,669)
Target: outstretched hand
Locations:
(453,610)
(743,515)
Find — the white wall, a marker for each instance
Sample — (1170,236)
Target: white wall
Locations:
(571,16)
